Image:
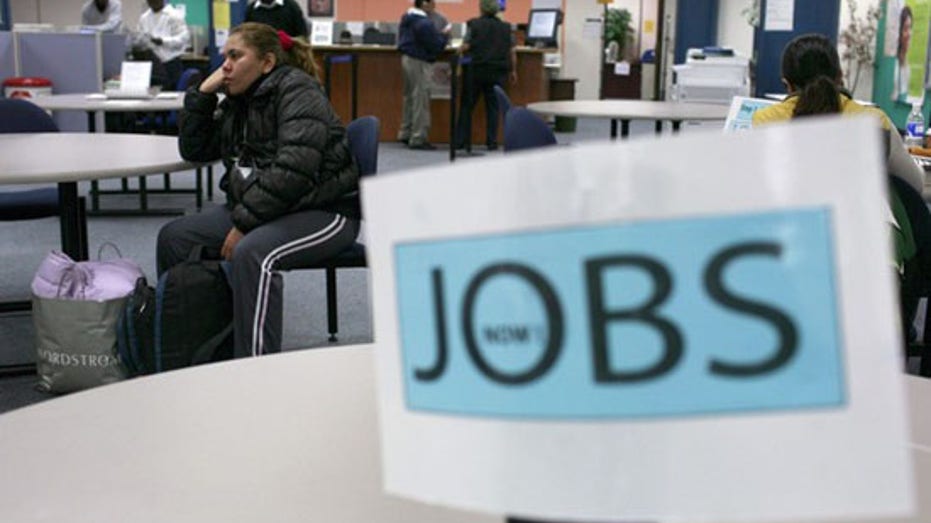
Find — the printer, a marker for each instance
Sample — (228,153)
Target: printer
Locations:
(711,75)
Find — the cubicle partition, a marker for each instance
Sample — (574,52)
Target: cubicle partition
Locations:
(113,52)
(74,62)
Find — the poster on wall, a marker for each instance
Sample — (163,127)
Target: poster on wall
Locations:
(322,8)
(907,29)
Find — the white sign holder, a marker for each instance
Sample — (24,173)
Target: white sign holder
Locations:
(472,265)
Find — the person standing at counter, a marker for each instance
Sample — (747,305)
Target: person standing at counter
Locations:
(488,41)
(162,31)
(285,15)
(104,16)
(420,43)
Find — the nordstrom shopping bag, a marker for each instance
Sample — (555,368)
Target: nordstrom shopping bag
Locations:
(75,308)
(75,343)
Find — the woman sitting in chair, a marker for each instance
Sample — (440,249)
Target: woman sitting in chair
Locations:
(813,78)
(812,75)
(291,182)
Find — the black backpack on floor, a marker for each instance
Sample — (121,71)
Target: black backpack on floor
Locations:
(185,320)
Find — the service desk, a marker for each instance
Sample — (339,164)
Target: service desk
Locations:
(381,88)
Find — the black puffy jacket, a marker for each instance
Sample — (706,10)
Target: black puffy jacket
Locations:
(285,130)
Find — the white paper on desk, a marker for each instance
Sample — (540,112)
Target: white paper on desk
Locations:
(740,114)
(135,76)
(530,246)
(321,32)
(779,15)
(355,28)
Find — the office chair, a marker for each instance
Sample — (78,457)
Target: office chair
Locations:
(525,130)
(20,116)
(363,134)
(916,281)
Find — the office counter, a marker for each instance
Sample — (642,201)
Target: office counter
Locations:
(381,88)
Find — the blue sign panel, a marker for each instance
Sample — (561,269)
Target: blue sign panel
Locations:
(655,318)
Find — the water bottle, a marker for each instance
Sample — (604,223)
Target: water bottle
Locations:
(915,127)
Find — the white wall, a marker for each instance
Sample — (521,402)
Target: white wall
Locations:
(582,56)
(733,29)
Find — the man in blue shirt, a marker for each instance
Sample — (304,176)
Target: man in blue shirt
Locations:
(420,44)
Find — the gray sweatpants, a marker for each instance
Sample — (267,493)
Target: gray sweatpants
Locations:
(415,115)
(291,241)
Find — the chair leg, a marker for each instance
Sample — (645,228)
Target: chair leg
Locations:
(199,188)
(210,182)
(331,309)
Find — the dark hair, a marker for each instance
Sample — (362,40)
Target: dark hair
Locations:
(419,3)
(906,12)
(264,39)
(811,66)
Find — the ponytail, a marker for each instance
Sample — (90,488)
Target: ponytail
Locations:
(301,56)
(819,96)
(811,66)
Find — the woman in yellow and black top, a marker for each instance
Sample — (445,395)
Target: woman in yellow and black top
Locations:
(812,74)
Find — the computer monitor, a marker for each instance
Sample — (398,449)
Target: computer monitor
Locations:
(542,26)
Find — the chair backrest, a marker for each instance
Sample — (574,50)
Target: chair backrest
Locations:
(363,134)
(525,130)
(189,77)
(504,103)
(20,116)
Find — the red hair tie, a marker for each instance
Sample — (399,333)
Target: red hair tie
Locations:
(286,42)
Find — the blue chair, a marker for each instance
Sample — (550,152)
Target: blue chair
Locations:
(20,116)
(525,130)
(363,135)
(504,103)
(169,121)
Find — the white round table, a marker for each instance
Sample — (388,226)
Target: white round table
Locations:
(290,437)
(627,110)
(67,158)
(93,103)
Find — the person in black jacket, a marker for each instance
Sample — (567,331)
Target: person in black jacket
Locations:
(291,182)
(285,15)
(488,41)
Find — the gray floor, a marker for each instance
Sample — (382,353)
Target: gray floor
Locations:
(23,244)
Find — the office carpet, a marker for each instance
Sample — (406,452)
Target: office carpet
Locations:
(23,245)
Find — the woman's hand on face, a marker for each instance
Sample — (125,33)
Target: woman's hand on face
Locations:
(213,83)
(229,244)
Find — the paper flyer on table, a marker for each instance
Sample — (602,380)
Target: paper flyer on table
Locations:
(698,328)
(740,115)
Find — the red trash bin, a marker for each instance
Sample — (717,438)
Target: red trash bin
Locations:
(26,87)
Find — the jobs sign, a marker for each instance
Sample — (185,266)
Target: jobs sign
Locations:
(653,318)
(698,328)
